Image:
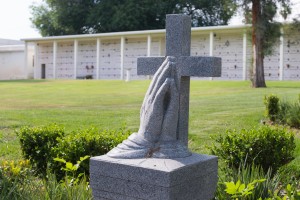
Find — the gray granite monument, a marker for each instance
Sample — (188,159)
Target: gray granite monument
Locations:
(155,162)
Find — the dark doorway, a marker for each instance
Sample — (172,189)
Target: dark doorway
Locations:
(43,71)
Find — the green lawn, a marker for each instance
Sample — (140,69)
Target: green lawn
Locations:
(214,107)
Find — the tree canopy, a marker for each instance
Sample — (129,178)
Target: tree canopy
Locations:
(65,17)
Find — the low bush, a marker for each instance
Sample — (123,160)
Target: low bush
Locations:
(268,147)
(272,106)
(282,112)
(89,142)
(37,142)
(41,145)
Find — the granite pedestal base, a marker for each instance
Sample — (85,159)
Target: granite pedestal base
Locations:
(191,178)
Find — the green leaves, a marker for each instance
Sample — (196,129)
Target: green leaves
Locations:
(240,190)
(283,112)
(37,143)
(77,146)
(48,147)
(70,167)
(268,147)
(272,106)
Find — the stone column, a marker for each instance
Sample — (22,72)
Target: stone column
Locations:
(245,56)
(211,47)
(54,58)
(26,60)
(98,57)
(281,56)
(75,58)
(122,51)
(36,60)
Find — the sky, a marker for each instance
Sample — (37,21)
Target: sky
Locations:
(15,23)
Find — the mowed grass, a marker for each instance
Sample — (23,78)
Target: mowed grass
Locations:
(76,104)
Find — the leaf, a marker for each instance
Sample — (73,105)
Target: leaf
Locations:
(261,180)
(75,167)
(69,166)
(60,160)
(241,188)
(230,188)
(84,158)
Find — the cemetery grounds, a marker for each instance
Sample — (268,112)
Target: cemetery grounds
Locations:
(215,106)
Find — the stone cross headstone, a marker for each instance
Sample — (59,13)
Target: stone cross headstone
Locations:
(191,177)
(178,45)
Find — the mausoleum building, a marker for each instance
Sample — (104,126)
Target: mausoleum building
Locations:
(114,55)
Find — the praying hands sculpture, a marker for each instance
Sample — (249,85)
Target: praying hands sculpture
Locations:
(157,135)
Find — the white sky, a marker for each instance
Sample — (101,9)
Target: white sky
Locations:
(15,14)
(14,19)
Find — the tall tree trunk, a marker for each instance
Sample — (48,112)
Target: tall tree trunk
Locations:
(258,76)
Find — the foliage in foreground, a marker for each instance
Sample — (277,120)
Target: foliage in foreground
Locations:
(41,145)
(268,147)
(18,182)
(252,183)
(257,182)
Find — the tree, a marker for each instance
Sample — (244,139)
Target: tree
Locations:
(128,15)
(265,31)
(64,17)
(208,12)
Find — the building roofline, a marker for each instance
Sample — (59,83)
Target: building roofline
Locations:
(12,48)
(132,33)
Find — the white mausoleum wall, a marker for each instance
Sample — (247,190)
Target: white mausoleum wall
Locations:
(135,47)
(291,58)
(272,65)
(86,63)
(65,60)
(110,59)
(229,48)
(118,55)
(45,57)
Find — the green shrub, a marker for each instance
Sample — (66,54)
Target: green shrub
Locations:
(293,116)
(90,142)
(41,145)
(282,112)
(266,146)
(272,107)
(37,142)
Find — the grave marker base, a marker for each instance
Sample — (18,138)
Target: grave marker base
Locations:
(191,178)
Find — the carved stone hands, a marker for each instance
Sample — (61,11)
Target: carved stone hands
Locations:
(157,135)
(159,112)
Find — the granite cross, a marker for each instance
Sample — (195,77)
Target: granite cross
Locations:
(178,45)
